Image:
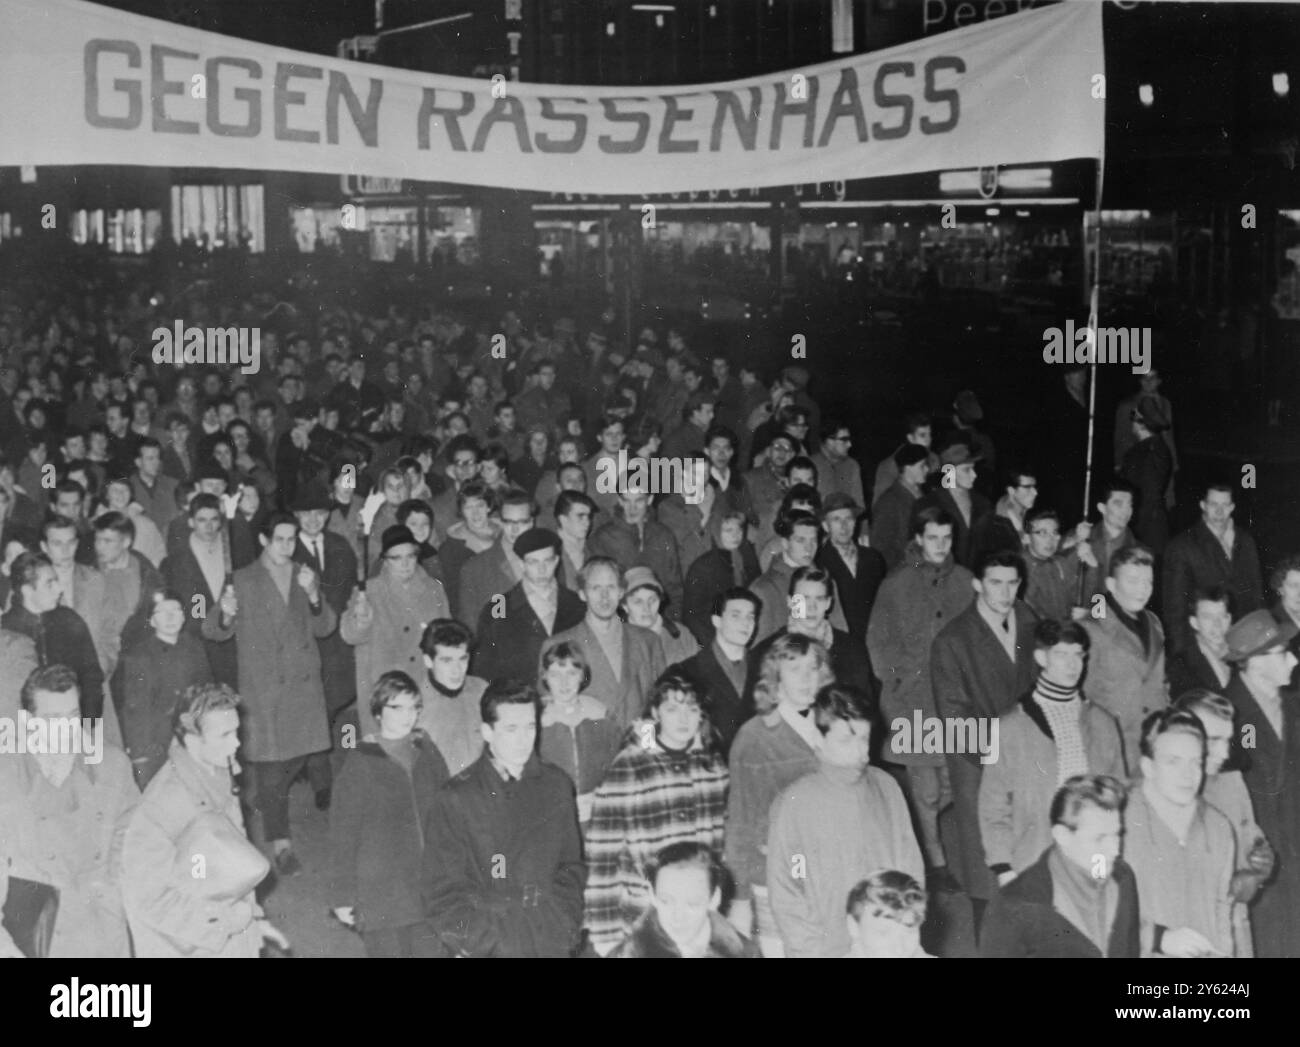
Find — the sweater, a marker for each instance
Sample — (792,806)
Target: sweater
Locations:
(829,830)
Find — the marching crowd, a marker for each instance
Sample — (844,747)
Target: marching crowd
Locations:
(553,711)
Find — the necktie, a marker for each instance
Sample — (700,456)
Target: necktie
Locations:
(640,537)
(318,553)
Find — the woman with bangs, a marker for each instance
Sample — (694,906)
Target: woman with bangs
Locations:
(474,531)
(668,784)
(774,749)
(577,733)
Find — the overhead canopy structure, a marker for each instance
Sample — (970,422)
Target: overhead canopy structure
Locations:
(85,84)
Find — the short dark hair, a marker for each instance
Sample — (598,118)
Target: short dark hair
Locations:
(1095,790)
(1137,555)
(1115,484)
(721,432)
(566,500)
(676,682)
(910,454)
(1169,720)
(999,558)
(690,854)
(477,489)
(915,420)
(736,592)
(839,701)
(931,514)
(509,691)
(1210,594)
(812,573)
(388,687)
(115,521)
(55,522)
(412,507)
(445,632)
(55,679)
(786,524)
(203,500)
(1217,485)
(801,461)
(518,496)
(144,443)
(275,519)
(1051,631)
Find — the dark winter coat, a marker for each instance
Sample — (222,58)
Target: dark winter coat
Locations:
(503,869)
(377,821)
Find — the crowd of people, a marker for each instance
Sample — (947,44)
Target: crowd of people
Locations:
(554,708)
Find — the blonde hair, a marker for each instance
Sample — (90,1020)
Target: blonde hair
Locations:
(786,649)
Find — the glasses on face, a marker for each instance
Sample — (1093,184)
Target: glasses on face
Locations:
(516,523)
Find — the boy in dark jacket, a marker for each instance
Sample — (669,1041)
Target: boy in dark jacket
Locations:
(381,799)
(503,869)
(683,920)
(1079,899)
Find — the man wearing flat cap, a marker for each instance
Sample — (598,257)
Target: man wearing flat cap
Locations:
(1268,733)
(1148,466)
(513,626)
(955,494)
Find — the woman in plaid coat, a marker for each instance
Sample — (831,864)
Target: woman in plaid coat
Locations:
(668,784)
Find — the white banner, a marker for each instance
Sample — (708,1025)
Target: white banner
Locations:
(84,84)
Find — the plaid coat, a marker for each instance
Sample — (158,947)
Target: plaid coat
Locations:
(650,798)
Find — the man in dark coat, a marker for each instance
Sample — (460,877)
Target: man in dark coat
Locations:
(503,869)
(891,514)
(956,495)
(980,665)
(1199,558)
(510,637)
(1148,465)
(197,570)
(1269,709)
(732,564)
(330,555)
(855,569)
(721,668)
(60,635)
(1081,875)
(632,539)
(811,595)
(1203,663)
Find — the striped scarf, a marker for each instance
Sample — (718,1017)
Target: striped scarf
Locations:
(1061,707)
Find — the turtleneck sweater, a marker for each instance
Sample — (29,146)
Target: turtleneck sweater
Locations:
(1061,707)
